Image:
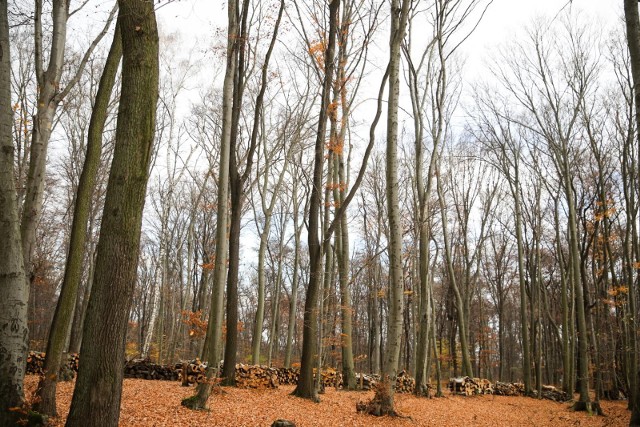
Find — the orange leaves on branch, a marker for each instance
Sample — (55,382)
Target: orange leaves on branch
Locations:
(332,110)
(316,50)
(615,291)
(336,186)
(335,145)
(197,326)
(605,210)
(209,265)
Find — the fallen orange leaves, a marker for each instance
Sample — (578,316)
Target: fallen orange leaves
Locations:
(157,403)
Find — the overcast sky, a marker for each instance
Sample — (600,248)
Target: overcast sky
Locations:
(503,19)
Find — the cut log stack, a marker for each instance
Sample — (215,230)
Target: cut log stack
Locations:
(191,372)
(330,378)
(471,386)
(247,376)
(468,386)
(405,383)
(253,376)
(144,369)
(506,389)
(68,370)
(264,377)
(552,393)
(35,363)
(366,381)
(288,376)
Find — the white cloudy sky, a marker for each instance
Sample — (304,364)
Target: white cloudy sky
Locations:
(502,20)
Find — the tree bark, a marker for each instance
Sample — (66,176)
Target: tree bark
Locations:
(305,387)
(385,394)
(73,272)
(97,395)
(214,328)
(293,301)
(14,292)
(632,21)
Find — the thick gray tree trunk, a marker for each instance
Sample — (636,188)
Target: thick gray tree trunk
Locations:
(14,292)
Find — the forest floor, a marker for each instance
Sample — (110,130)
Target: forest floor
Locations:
(157,403)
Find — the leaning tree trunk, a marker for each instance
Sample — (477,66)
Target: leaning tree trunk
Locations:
(97,395)
(14,292)
(73,272)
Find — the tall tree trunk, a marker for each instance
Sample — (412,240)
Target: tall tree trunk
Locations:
(50,94)
(385,394)
(632,21)
(97,395)
(63,316)
(305,387)
(293,302)
(275,299)
(214,328)
(467,369)
(48,101)
(576,278)
(14,292)
(524,326)
(75,340)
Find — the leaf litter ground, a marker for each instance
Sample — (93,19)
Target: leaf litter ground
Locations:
(157,403)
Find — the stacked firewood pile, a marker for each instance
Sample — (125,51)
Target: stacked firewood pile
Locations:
(247,376)
(468,386)
(330,378)
(144,369)
(35,365)
(366,381)
(552,393)
(508,389)
(471,386)
(517,389)
(405,383)
(191,372)
(254,376)
(288,376)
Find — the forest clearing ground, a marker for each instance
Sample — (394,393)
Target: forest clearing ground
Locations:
(157,403)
